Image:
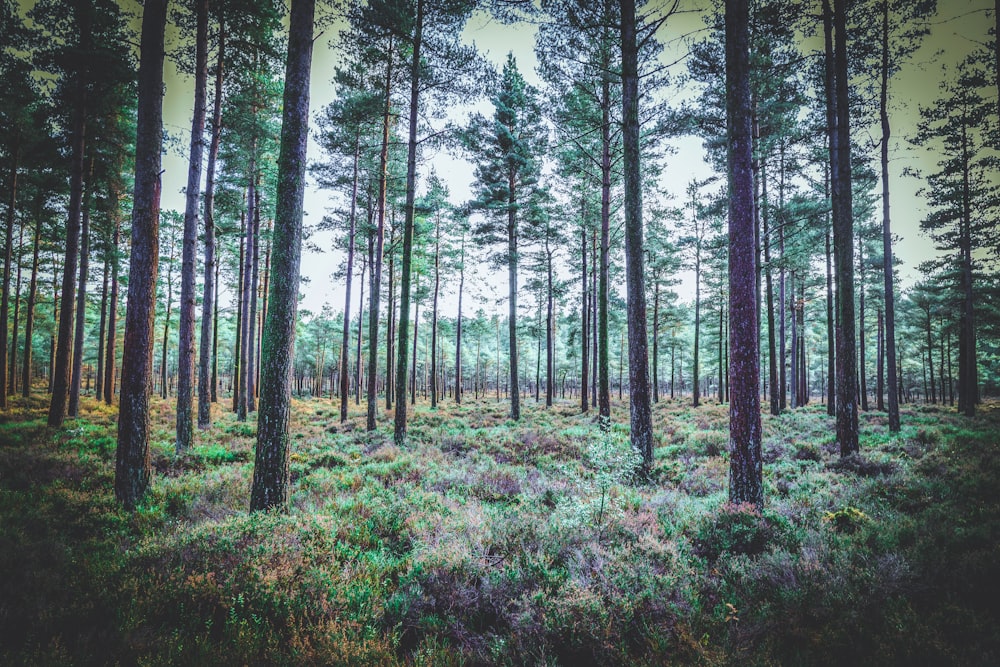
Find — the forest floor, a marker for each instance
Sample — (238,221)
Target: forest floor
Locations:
(485,541)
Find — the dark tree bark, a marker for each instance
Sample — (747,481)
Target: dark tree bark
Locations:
(270,474)
(746,467)
(5,297)
(772,350)
(345,345)
(189,245)
(603,361)
(889,346)
(862,347)
(843,235)
(458,325)
(399,432)
(238,345)
(61,363)
(12,363)
(246,317)
(656,341)
(109,355)
(102,329)
(209,304)
(375,261)
(584,321)
(515,389)
(638,355)
(29,312)
(253,331)
(831,350)
(132,463)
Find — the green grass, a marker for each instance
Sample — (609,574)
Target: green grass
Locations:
(483,541)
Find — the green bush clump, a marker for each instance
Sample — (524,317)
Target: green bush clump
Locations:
(739,529)
(846,520)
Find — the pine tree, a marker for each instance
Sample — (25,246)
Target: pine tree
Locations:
(507,151)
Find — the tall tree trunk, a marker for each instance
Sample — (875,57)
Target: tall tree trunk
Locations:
(593,320)
(831,353)
(515,389)
(584,319)
(772,350)
(76,372)
(656,341)
(375,263)
(29,311)
(246,317)
(968,392)
(550,352)
(603,361)
(458,325)
(862,349)
(345,346)
(240,316)
(132,463)
(61,365)
(880,363)
(185,329)
(746,467)
(12,362)
(696,375)
(102,329)
(209,303)
(843,232)
(638,354)
(270,473)
(215,336)
(5,296)
(794,370)
(361,311)
(889,300)
(434,314)
(252,329)
(109,355)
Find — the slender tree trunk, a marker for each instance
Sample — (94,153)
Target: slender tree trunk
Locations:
(887,277)
(794,370)
(375,265)
(458,325)
(185,329)
(843,235)
(109,356)
(361,311)
(638,355)
(5,296)
(968,382)
(76,372)
(862,349)
(238,365)
(772,351)
(215,336)
(29,311)
(345,356)
(656,341)
(593,320)
(102,330)
(12,363)
(132,463)
(584,320)
(252,329)
(245,316)
(603,361)
(831,354)
(515,389)
(745,470)
(696,387)
(271,474)
(550,351)
(209,304)
(413,358)
(880,363)
(61,367)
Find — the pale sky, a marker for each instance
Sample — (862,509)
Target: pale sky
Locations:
(916,84)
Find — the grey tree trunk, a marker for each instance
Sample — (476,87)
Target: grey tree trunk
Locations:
(843,238)
(185,330)
(109,355)
(209,303)
(270,473)
(132,463)
(399,429)
(745,463)
(345,346)
(638,356)
(29,314)
(889,345)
